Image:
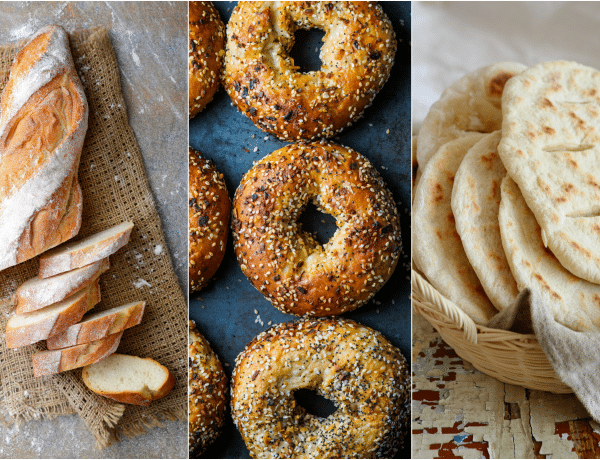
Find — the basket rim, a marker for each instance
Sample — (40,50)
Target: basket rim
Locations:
(425,292)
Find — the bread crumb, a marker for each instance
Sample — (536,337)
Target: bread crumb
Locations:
(140,283)
(158,249)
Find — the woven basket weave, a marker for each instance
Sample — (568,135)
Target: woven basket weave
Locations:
(510,357)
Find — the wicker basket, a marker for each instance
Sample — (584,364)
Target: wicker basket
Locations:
(510,357)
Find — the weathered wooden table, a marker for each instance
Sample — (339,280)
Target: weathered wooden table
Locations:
(459,412)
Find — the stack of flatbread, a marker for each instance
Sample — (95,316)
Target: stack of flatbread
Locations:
(508,191)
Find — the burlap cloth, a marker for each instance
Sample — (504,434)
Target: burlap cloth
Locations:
(115,189)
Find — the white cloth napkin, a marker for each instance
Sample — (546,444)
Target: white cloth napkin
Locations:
(575,356)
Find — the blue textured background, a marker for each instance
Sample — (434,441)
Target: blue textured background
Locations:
(224,310)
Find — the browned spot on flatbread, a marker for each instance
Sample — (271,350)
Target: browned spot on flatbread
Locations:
(582,250)
(549,130)
(495,190)
(438,193)
(546,286)
(554,78)
(568,187)
(596,299)
(546,103)
(573,163)
(591,180)
(488,160)
(593,92)
(497,83)
(579,121)
(543,185)
(450,218)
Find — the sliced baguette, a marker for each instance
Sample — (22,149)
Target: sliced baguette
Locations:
(53,362)
(84,252)
(26,329)
(129,379)
(38,293)
(98,325)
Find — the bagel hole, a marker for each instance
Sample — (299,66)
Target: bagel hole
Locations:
(320,225)
(314,403)
(306,49)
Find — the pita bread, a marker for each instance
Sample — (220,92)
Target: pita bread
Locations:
(475,204)
(416,171)
(575,303)
(551,147)
(437,249)
(472,104)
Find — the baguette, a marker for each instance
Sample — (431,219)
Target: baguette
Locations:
(53,362)
(26,329)
(43,121)
(86,251)
(98,325)
(37,293)
(129,379)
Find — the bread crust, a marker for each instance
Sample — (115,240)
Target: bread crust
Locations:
(208,392)
(54,324)
(42,127)
(55,361)
(209,209)
(263,83)
(78,254)
(350,364)
(143,398)
(294,272)
(93,329)
(37,293)
(206,54)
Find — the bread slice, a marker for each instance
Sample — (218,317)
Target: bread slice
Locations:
(37,293)
(129,379)
(86,251)
(98,325)
(26,329)
(53,362)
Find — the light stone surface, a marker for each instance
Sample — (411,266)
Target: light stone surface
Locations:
(150,42)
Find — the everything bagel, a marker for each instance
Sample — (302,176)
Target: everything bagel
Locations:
(354,366)
(206,54)
(207,393)
(263,82)
(291,268)
(209,208)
